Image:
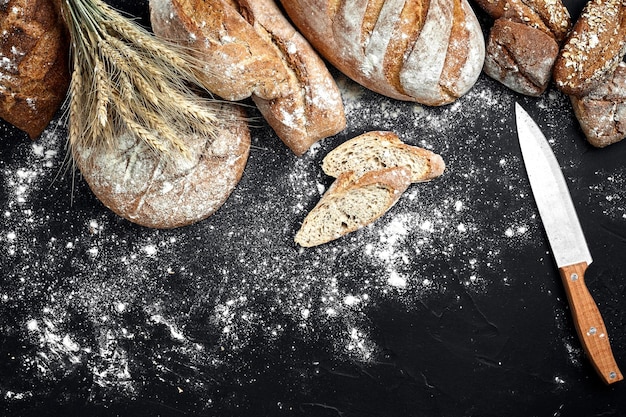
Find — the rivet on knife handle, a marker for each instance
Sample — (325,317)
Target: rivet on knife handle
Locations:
(589,324)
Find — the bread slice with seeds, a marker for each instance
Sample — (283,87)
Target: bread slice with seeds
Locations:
(381,149)
(352,202)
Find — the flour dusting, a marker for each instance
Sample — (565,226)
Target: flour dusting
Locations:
(92,296)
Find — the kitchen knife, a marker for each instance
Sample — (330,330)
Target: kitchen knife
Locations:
(567,241)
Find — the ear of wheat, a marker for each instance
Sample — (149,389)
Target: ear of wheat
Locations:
(126,80)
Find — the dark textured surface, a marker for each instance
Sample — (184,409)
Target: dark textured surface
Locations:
(450,305)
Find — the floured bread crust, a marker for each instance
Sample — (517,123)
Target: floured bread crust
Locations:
(137,186)
(34,73)
(428,52)
(237,62)
(602,112)
(523,43)
(262,56)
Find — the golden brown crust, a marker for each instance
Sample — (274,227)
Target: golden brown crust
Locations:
(397,48)
(594,48)
(238,62)
(306,106)
(313,110)
(34,63)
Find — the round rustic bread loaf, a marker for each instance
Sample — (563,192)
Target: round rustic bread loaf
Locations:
(131,181)
(428,52)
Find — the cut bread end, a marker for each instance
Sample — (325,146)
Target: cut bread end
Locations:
(352,202)
(381,149)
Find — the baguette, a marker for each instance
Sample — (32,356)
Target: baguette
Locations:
(352,202)
(593,49)
(261,48)
(34,71)
(380,149)
(314,108)
(427,52)
(135,184)
(237,61)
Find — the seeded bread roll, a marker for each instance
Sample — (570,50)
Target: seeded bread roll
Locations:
(523,43)
(256,44)
(352,202)
(428,52)
(131,181)
(602,112)
(593,49)
(34,70)
(380,149)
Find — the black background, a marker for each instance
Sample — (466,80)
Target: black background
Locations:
(505,350)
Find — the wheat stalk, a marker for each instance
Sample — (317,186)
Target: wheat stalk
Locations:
(126,80)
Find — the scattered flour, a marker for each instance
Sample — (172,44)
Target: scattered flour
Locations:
(89,294)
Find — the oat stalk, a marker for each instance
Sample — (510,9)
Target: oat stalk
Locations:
(125,80)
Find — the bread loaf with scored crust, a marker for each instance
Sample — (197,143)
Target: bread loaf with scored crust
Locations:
(237,61)
(138,185)
(34,73)
(313,110)
(352,202)
(382,149)
(593,49)
(267,58)
(429,52)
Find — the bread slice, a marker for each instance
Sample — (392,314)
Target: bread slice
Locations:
(352,202)
(381,149)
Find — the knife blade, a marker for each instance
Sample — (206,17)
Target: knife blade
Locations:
(567,242)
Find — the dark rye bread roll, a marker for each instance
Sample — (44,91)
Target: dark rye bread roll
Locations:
(429,52)
(306,105)
(523,43)
(34,73)
(131,181)
(602,111)
(593,49)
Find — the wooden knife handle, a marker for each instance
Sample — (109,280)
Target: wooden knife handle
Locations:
(589,324)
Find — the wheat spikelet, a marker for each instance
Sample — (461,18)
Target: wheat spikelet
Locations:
(127,81)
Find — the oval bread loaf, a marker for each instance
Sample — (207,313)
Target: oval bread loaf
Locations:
(381,149)
(34,71)
(352,202)
(133,183)
(593,49)
(430,52)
